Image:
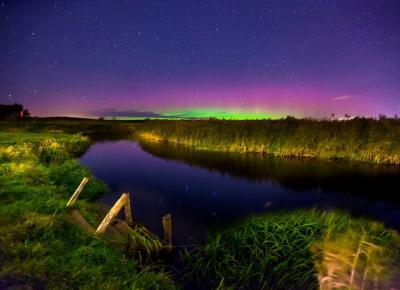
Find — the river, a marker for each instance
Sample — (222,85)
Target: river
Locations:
(203,190)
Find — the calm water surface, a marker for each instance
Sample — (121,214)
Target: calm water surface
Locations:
(204,189)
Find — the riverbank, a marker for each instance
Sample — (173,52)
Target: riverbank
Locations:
(87,127)
(366,140)
(39,246)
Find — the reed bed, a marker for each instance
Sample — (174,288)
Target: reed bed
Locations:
(360,139)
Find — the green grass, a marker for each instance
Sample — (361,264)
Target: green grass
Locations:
(296,251)
(39,246)
(368,140)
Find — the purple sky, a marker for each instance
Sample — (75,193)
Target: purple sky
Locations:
(307,58)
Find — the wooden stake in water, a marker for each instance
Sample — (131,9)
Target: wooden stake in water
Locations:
(167,225)
(128,211)
(80,220)
(121,202)
(74,197)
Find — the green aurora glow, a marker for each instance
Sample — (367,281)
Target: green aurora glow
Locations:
(235,114)
(206,113)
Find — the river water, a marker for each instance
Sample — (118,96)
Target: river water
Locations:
(203,190)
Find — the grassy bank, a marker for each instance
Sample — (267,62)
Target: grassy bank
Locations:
(301,250)
(90,127)
(39,246)
(375,141)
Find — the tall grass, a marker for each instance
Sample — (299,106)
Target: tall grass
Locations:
(290,251)
(357,260)
(39,246)
(369,140)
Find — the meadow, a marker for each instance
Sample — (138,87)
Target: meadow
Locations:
(360,139)
(39,246)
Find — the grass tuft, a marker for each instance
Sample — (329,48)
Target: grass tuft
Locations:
(290,251)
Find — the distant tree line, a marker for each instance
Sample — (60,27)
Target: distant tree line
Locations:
(13,112)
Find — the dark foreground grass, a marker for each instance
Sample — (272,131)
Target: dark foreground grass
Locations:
(369,140)
(301,250)
(39,246)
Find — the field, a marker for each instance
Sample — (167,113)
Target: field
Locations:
(367,140)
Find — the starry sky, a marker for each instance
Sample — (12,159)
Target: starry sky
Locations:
(132,58)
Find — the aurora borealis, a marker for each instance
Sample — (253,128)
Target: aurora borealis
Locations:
(232,59)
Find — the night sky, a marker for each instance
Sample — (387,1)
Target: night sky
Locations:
(200,58)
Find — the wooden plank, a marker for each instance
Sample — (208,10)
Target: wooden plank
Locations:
(115,236)
(123,228)
(128,210)
(112,214)
(81,221)
(167,225)
(74,197)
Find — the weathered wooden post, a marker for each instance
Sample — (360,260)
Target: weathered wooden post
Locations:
(122,201)
(128,210)
(74,197)
(80,220)
(167,225)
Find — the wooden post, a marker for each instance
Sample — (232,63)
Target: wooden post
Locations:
(167,225)
(112,213)
(128,211)
(80,220)
(74,197)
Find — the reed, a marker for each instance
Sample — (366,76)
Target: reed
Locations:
(356,260)
(360,139)
(290,251)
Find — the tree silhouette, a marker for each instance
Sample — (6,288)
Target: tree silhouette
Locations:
(26,113)
(13,112)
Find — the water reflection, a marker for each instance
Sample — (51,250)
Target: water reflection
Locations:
(201,189)
(298,174)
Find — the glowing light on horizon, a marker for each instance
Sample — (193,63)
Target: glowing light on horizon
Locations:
(221,113)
